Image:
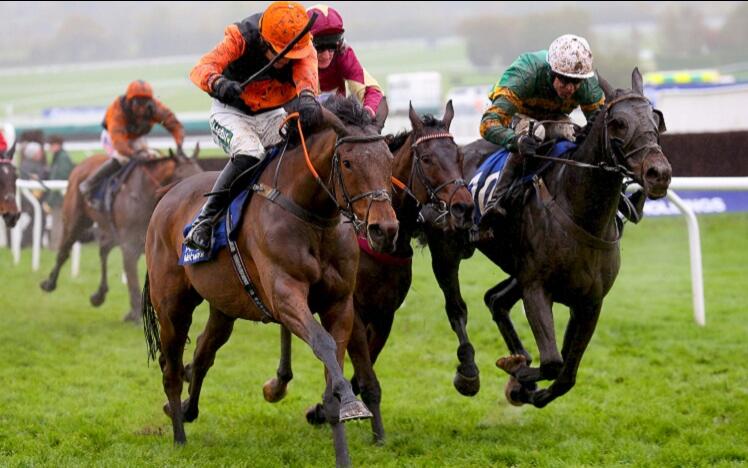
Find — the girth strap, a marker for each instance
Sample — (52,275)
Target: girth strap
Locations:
(275,196)
(566,222)
(244,278)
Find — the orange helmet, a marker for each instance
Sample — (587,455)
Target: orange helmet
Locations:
(281,23)
(139,88)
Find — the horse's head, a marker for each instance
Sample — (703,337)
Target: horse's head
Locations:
(633,130)
(436,178)
(361,171)
(8,207)
(185,165)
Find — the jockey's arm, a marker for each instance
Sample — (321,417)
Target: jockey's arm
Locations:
(305,74)
(359,81)
(494,125)
(116,124)
(211,65)
(166,117)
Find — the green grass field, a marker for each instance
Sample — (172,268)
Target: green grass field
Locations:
(653,390)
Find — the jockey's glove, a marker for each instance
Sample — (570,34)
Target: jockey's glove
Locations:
(526,145)
(309,109)
(226,90)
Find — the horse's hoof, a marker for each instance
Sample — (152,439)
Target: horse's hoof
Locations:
(354,409)
(512,390)
(132,316)
(315,415)
(97,299)
(468,386)
(273,391)
(511,364)
(48,285)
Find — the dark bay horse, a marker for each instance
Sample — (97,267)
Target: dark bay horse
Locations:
(430,163)
(127,223)
(301,258)
(560,243)
(8,176)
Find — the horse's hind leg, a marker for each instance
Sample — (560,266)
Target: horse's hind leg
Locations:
(500,299)
(446,269)
(106,243)
(216,334)
(579,330)
(275,389)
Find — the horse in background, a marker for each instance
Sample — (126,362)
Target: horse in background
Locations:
(560,241)
(127,222)
(8,176)
(291,246)
(432,192)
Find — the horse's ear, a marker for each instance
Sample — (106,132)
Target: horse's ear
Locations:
(196,152)
(381,114)
(171,153)
(605,86)
(637,84)
(660,121)
(449,113)
(415,121)
(9,154)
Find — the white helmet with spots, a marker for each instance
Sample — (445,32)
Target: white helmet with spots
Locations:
(570,56)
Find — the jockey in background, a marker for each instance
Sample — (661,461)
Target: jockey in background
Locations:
(543,85)
(338,64)
(245,119)
(127,120)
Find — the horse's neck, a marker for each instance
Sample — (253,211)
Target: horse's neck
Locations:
(148,177)
(405,206)
(589,195)
(297,182)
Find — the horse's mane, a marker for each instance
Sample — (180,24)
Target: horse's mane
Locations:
(348,110)
(396,141)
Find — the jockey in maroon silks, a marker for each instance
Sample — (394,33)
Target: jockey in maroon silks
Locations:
(338,65)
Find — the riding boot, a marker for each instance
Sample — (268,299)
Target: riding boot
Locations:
(201,233)
(512,169)
(632,207)
(105,170)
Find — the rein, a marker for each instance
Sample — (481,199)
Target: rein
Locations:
(336,175)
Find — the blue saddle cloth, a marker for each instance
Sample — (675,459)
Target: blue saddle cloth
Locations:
(236,208)
(482,185)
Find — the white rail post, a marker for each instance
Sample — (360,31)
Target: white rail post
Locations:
(37,239)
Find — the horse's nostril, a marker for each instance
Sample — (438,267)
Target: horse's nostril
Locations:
(375,231)
(459,209)
(652,173)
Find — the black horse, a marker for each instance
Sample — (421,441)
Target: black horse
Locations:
(559,243)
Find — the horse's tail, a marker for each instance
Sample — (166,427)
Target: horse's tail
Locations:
(150,322)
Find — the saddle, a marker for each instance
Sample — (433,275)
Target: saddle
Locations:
(102,198)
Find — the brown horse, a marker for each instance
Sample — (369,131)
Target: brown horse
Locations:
(8,176)
(298,254)
(431,163)
(127,223)
(560,242)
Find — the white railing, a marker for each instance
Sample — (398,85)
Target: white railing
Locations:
(678,183)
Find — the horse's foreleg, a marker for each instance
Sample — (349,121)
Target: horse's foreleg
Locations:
(70,237)
(538,308)
(446,269)
(578,334)
(500,299)
(217,332)
(275,389)
(365,377)
(130,255)
(290,300)
(105,246)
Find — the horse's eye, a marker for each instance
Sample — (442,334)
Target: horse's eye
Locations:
(426,159)
(347,164)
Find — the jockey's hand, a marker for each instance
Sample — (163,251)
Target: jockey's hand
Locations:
(226,90)
(142,154)
(527,145)
(309,109)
